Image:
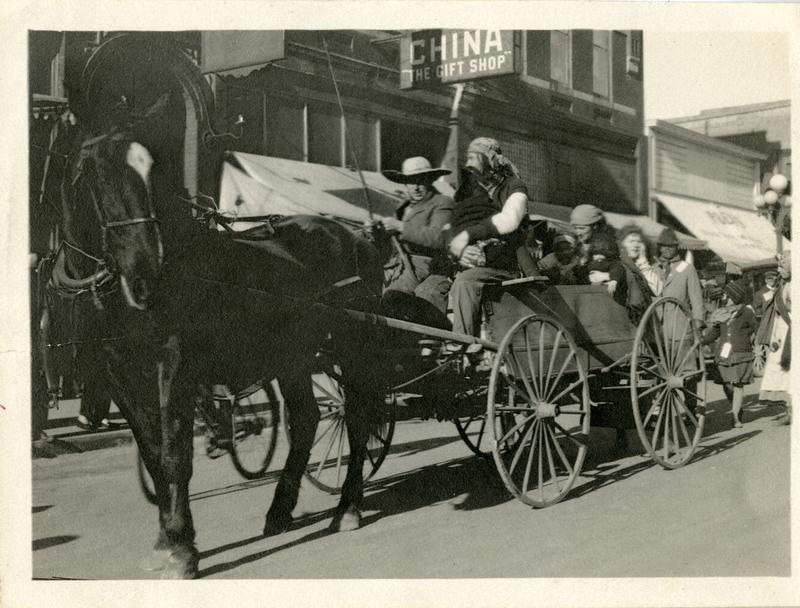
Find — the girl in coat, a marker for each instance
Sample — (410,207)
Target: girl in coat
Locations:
(733,326)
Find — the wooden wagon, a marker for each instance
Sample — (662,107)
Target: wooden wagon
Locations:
(556,360)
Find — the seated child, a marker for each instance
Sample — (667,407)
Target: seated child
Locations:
(559,265)
(605,268)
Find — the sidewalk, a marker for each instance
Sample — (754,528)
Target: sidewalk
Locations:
(65,437)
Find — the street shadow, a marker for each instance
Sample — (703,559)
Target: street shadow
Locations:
(52,541)
(248,559)
(268,478)
(401,450)
(41,508)
(467,484)
(410,448)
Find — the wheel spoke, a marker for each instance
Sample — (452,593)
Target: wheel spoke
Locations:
(555,399)
(682,341)
(520,446)
(515,428)
(328,429)
(513,386)
(651,389)
(578,438)
(684,430)
(560,451)
(679,398)
(532,390)
(661,348)
(553,354)
(561,371)
(536,390)
(694,348)
(542,383)
(334,435)
(550,463)
(530,462)
(654,405)
(337,399)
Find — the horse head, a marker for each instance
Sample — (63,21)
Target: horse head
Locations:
(110,215)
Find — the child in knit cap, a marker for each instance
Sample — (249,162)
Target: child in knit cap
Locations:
(733,326)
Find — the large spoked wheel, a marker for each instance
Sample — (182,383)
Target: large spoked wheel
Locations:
(538,411)
(145,481)
(760,352)
(254,427)
(668,383)
(330,453)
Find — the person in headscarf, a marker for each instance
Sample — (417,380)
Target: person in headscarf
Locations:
(775,332)
(488,231)
(733,326)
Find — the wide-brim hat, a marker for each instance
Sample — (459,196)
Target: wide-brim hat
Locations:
(668,238)
(771,274)
(736,291)
(585,215)
(413,169)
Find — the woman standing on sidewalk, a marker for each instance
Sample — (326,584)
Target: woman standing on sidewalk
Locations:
(775,332)
(733,327)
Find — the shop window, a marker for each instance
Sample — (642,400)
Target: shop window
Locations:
(400,140)
(285,133)
(601,63)
(560,57)
(362,138)
(324,136)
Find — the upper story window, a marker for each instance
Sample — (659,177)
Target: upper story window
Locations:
(560,57)
(601,62)
(634,51)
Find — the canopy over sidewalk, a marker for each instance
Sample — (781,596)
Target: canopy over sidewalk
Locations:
(738,236)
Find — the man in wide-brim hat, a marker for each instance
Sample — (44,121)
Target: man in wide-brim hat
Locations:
(418,224)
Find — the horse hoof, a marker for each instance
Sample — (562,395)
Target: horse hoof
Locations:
(181,565)
(275,525)
(346,522)
(156,561)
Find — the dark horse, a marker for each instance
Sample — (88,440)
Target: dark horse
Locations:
(173,306)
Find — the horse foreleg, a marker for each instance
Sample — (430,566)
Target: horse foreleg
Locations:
(176,402)
(360,418)
(303,420)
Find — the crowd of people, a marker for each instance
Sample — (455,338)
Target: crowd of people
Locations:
(450,249)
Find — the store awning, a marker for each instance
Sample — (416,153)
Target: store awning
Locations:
(558,216)
(254,185)
(736,235)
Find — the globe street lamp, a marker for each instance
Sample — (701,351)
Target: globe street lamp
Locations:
(775,205)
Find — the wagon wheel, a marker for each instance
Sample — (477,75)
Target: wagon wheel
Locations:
(330,452)
(145,481)
(255,433)
(760,351)
(538,410)
(668,383)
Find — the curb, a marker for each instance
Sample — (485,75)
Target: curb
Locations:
(77,443)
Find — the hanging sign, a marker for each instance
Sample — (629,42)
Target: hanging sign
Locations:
(448,56)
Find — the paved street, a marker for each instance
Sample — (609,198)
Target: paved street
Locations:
(435,511)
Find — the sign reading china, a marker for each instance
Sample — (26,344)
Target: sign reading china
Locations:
(448,56)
